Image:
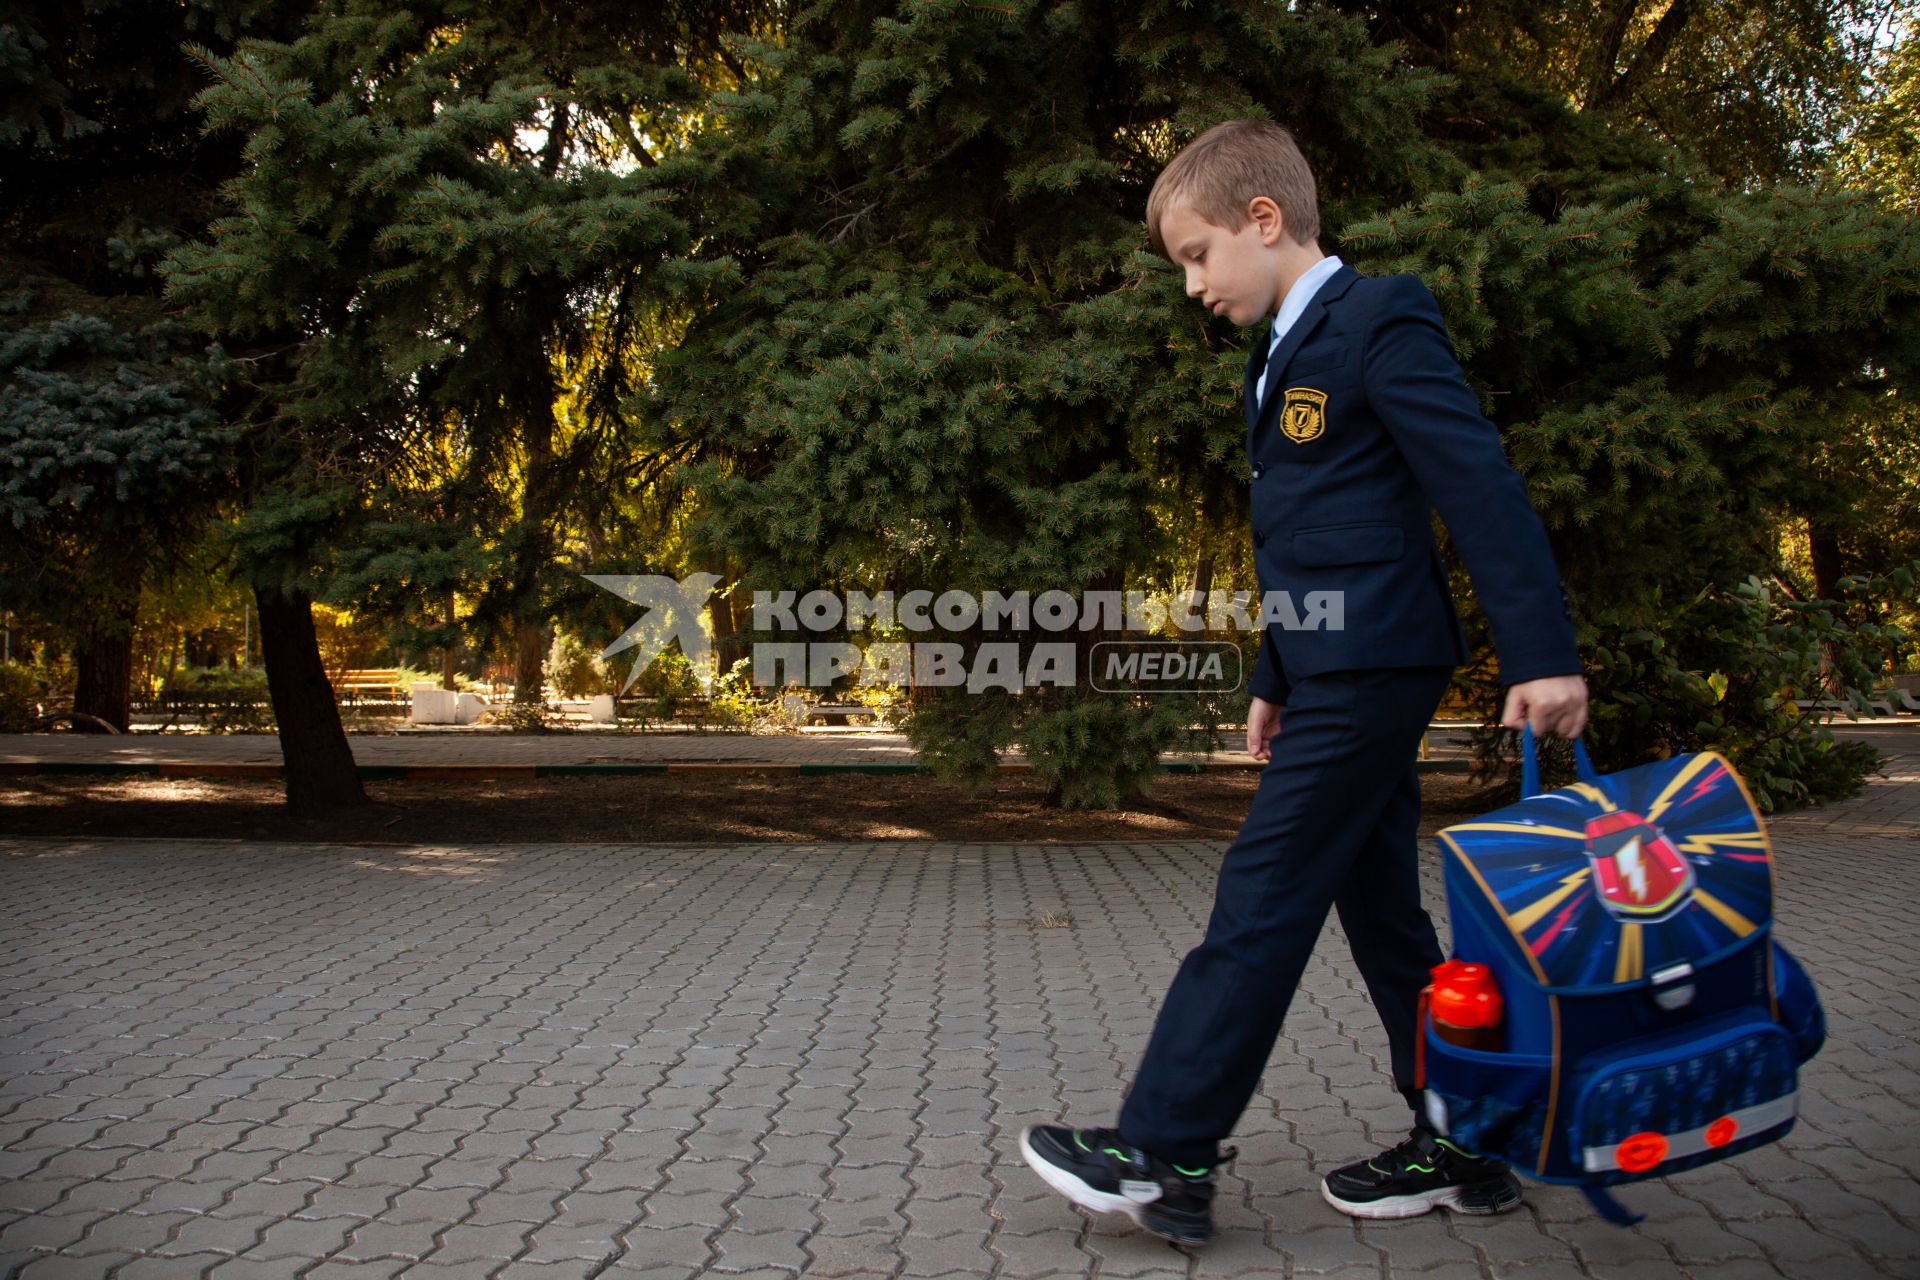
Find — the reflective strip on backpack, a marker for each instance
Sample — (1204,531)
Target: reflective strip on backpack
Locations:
(1735,1124)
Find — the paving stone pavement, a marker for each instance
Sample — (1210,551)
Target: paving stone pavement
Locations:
(479,746)
(769,1061)
(1446,742)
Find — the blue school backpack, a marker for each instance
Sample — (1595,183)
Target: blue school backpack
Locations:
(1652,1024)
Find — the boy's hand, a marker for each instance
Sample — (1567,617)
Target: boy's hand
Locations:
(1263,721)
(1553,704)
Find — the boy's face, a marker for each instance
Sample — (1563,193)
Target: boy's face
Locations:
(1233,273)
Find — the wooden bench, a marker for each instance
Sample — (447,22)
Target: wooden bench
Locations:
(366,682)
(648,708)
(1852,708)
(848,713)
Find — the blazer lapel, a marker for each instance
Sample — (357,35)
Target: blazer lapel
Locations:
(1256,358)
(1316,311)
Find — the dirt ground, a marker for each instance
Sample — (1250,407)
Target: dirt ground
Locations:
(666,807)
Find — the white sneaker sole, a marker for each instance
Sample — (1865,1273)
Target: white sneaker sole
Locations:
(1073,1188)
(1395,1206)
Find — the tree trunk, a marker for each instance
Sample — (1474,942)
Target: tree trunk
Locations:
(314,750)
(1607,56)
(1828,569)
(539,509)
(1828,564)
(449,657)
(1111,581)
(1651,55)
(724,618)
(1199,586)
(530,640)
(103,659)
(200,647)
(104,670)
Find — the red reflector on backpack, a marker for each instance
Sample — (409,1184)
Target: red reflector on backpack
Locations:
(1641,1152)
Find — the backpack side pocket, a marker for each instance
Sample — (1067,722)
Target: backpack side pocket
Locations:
(1491,1104)
(1797,1005)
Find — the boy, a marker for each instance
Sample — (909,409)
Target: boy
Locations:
(1358,417)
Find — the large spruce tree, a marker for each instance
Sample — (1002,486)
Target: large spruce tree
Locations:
(449,217)
(113,450)
(942,357)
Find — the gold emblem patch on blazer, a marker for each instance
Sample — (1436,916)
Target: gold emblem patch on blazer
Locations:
(1303,415)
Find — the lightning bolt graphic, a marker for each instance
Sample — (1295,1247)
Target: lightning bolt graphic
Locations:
(1545,940)
(1704,785)
(1632,869)
(1527,917)
(1724,846)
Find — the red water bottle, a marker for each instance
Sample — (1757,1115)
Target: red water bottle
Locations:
(1466,1006)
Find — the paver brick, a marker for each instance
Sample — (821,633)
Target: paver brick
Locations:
(571,1240)
(1879,1235)
(853,1255)
(303,1238)
(63,1266)
(47,1231)
(743,1251)
(163,1267)
(473,1243)
(259,1269)
(382,1239)
(1327,1249)
(218,1235)
(1419,1244)
(939,1255)
(1554,1269)
(134,1232)
(685,1244)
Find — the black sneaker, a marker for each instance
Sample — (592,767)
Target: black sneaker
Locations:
(1421,1174)
(1097,1171)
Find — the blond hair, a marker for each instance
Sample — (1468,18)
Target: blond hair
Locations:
(1219,173)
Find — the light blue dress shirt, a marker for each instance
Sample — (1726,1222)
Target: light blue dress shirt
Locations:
(1292,305)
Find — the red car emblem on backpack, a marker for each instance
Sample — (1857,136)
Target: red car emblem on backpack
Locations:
(1639,874)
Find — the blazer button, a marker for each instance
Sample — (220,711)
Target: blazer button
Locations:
(1258,470)
(1259,540)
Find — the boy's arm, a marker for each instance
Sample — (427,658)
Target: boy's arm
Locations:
(1415,385)
(1264,680)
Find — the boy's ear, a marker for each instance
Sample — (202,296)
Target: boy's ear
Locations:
(1265,214)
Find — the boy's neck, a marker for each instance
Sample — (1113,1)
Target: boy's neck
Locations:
(1295,261)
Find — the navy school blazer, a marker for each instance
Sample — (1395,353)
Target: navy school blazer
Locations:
(1367,419)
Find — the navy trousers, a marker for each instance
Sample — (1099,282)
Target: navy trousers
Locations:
(1332,824)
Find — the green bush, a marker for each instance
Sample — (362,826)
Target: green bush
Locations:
(521,717)
(575,669)
(888,702)
(238,717)
(218,680)
(1096,750)
(19,698)
(1728,681)
(240,702)
(734,703)
(668,683)
(1093,750)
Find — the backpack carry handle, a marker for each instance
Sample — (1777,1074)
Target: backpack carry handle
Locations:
(1530,763)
